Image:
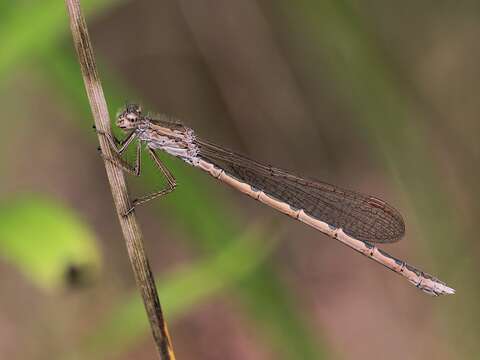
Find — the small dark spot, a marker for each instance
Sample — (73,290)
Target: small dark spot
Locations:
(76,276)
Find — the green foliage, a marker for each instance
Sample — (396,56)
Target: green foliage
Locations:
(22,27)
(180,291)
(46,241)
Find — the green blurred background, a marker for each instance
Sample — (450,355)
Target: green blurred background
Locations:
(375,96)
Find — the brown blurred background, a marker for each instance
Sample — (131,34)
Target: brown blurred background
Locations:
(375,96)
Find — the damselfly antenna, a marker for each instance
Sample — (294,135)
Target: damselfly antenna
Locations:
(133,108)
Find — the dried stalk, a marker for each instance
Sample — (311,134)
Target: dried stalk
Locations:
(130,228)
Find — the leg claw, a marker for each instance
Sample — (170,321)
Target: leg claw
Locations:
(129,211)
(98,131)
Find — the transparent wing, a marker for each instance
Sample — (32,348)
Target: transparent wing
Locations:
(363,217)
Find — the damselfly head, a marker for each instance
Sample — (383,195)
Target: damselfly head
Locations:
(130,117)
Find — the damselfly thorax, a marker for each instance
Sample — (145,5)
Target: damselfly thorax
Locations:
(160,133)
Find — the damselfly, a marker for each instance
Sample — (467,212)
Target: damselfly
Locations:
(356,220)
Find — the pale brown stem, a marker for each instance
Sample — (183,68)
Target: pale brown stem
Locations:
(130,228)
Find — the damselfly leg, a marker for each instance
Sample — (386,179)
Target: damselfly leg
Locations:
(118,160)
(170,186)
(119,146)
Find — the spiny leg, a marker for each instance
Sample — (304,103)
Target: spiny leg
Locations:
(114,142)
(136,170)
(165,171)
(125,165)
(123,144)
(171,183)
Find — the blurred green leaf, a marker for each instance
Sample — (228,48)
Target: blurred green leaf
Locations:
(179,292)
(32,27)
(46,241)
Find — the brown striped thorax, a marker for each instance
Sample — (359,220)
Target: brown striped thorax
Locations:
(161,133)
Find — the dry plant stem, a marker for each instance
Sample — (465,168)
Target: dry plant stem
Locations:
(130,227)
